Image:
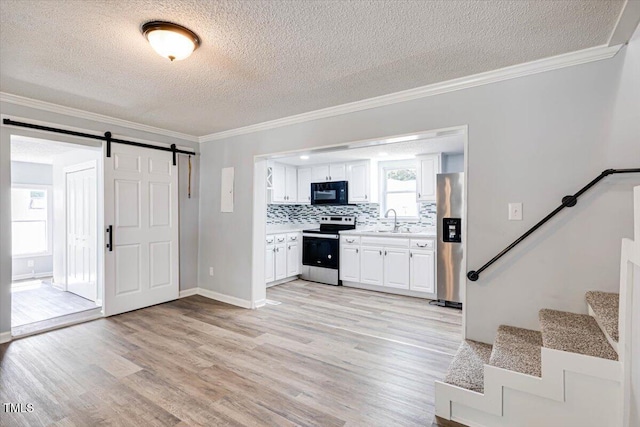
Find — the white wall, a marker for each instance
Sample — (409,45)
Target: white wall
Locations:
(532,140)
(39,174)
(188,211)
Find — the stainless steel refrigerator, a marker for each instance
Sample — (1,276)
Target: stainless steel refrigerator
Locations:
(450,213)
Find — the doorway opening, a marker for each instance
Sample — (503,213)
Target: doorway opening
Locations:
(55,212)
(392,187)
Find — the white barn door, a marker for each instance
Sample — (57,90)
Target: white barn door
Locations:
(141,206)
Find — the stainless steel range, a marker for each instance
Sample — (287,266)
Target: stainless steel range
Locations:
(321,249)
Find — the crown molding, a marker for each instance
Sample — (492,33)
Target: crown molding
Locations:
(74,112)
(521,70)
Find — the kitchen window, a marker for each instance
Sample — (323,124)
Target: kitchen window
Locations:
(31,219)
(398,188)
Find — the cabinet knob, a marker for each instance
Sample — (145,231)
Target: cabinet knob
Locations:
(419,195)
(326,178)
(380,253)
(385,253)
(357,250)
(329,178)
(365,197)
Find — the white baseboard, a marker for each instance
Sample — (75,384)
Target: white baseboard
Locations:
(239,302)
(188,292)
(31,276)
(260,303)
(5,337)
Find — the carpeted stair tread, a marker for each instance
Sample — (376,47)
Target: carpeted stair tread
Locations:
(467,367)
(518,350)
(605,308)
(576,333)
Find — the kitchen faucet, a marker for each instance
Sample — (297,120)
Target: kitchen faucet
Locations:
(395,219)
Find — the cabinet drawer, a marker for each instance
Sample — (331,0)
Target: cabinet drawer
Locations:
(423,244)
(350,240)
(293,237)
(385,241)
(280,238)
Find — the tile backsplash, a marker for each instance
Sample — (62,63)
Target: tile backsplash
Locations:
(366,214)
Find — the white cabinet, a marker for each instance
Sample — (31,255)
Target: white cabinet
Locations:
(291,184)
(293,259)
(269,264)
(337,172)
(331,172)
(422,275)
(395,264)
(320,173)
(358,176)
(304,185)
(281,261)
(428,168)
(283,255)
(350,258)
(371,265)
(396,268)
(285,184)
(279,183)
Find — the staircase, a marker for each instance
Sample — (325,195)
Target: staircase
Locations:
(574,371)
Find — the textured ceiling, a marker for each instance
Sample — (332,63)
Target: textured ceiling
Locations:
(32,150)
(263,60)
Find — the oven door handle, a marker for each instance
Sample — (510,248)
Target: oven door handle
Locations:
(321,236)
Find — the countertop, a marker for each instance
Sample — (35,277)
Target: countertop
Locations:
(428,233)
(289,228)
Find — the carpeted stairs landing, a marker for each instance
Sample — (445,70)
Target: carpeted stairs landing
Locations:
(518,349)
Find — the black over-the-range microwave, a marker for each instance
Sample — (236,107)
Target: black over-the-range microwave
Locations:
(329,193)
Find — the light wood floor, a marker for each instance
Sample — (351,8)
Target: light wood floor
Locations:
(41,301)
(326,356)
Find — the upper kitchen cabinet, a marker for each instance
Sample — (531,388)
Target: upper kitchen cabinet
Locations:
(337,172)
(332,172)
(428,167)
(358,176)
(304,185)
(285,184)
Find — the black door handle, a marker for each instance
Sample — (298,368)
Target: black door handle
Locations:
(110,241)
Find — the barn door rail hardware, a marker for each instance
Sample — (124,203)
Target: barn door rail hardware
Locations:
(567,202)
(106,137)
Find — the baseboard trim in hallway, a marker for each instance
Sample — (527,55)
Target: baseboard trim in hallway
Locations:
(5,337)
(238,302)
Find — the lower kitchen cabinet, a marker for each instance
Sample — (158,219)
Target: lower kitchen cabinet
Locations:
(389,264)
(350,263)
(293,259)
(282,256)
(269,264)
(422,271)
(281,261)
(396,268)
(371,265)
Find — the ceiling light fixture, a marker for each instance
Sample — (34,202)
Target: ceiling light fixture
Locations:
(170,40)
(304,157)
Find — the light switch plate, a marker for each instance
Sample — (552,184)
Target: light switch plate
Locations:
(515,211)
(210,271)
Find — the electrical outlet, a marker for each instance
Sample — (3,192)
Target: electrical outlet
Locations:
(515,211)
(210,271)
(31,263)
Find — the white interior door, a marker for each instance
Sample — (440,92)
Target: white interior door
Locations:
(81,224)
(141,204)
